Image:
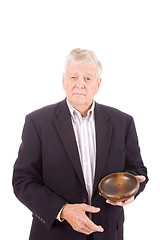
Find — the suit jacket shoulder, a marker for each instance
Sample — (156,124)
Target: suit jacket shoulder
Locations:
(46,110)
(114,115)
(48,113)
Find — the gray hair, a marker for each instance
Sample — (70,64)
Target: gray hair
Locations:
(83,56)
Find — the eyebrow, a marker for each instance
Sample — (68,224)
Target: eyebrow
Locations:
(86,74)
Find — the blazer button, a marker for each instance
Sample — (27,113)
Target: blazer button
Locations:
(84,200)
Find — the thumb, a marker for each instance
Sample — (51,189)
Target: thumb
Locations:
(141,178)
(91,209)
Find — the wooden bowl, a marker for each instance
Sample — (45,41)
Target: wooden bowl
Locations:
(118,186)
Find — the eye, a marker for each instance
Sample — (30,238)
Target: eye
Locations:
(88,79)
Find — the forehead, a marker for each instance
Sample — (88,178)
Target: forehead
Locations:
(86,68)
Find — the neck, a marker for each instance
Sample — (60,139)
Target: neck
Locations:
(83,109)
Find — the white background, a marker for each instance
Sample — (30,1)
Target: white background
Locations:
(35,37)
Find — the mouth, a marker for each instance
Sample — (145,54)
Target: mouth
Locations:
(79,94)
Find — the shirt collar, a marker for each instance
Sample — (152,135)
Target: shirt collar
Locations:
(75,113)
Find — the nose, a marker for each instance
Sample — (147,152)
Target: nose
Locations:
(80,83)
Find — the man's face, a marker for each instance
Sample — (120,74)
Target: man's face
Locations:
(80,84)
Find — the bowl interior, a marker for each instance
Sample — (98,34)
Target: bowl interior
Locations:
(119,186)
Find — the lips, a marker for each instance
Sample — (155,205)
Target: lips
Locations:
(79,94)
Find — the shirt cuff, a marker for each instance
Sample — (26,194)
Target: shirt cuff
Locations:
(59,214)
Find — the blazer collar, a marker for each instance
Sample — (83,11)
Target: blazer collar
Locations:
(66,133)
(103,139)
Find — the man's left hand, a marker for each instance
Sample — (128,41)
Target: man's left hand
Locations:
(140,178)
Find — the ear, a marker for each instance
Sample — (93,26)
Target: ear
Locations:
(99,83)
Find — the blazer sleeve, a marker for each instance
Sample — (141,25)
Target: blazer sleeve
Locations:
(28,178)
(134,163)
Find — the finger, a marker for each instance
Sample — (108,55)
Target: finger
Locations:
(114,203)
(91,209)
(83,229)
(86,230)
(86,226)
(120,203)
(129,201)
(92,226)
(141,178)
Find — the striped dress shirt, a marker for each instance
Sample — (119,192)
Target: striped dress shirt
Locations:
(84,129)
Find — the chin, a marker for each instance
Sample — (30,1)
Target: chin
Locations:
(78,103)
(78,100)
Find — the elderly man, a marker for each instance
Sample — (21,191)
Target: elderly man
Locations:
(67,148)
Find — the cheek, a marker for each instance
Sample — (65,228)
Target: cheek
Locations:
(70,88)
(93,90)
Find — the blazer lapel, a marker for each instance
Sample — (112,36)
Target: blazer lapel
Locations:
(103,138)
(66,133)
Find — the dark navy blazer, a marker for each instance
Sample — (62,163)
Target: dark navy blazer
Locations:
(48,174)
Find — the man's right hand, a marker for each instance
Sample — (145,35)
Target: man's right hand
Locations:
(75,215)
